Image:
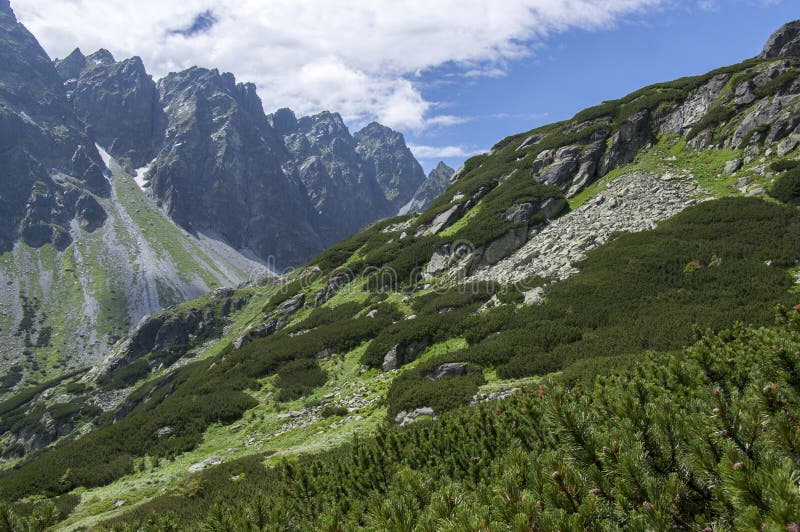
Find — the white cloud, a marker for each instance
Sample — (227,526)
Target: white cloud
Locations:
(361,58)
(443,152)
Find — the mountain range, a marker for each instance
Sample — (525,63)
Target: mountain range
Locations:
(118,194)
(594,326)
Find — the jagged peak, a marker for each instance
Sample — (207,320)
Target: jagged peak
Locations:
(5,7)
(784,42)
(72,65)
(441,168)
(101,57)
(284,121)
(375,130)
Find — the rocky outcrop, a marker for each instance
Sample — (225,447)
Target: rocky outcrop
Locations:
(332,287)
(273,322)
(450,369)
(118,102)
(405,417)
(784,42)
(633,202)
(48,163)
(175,330)
(402,354)
(437,182)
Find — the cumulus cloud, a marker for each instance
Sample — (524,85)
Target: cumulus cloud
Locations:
(364,59)
(443,152)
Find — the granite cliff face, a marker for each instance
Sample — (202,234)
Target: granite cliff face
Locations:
(351,180)
(118,102)
(396,170)
(219,168)
(51,171)
(437,182)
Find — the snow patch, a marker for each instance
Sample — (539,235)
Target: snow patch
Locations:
(140,175)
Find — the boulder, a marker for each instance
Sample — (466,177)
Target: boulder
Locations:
(199,466)
(441,221)
(451,369)
(520,213)
(254,332)
(402,354)
(732,166)
(534,296)
(551,207)
(504,246)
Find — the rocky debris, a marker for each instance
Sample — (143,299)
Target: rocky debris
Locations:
(404,418)
(502,393)
(208,462)
(437,182)
(534,296)
(401,226)
(372,313)
(784,42)
(633,202)
(450,369)
(402,354)
(332,287)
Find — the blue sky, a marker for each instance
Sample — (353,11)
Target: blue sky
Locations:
(455,76)
(578,68)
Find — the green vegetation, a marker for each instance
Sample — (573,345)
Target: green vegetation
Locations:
(704,438)
(787,185)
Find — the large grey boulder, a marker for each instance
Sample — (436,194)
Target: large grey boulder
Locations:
(784,42)
(450,369)
(402,354)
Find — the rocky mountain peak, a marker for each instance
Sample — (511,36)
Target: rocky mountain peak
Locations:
(117,101)
(100,57)
(398,173)
(283,121)
(784,42)
(5,7)
(71,66)
(437,182)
